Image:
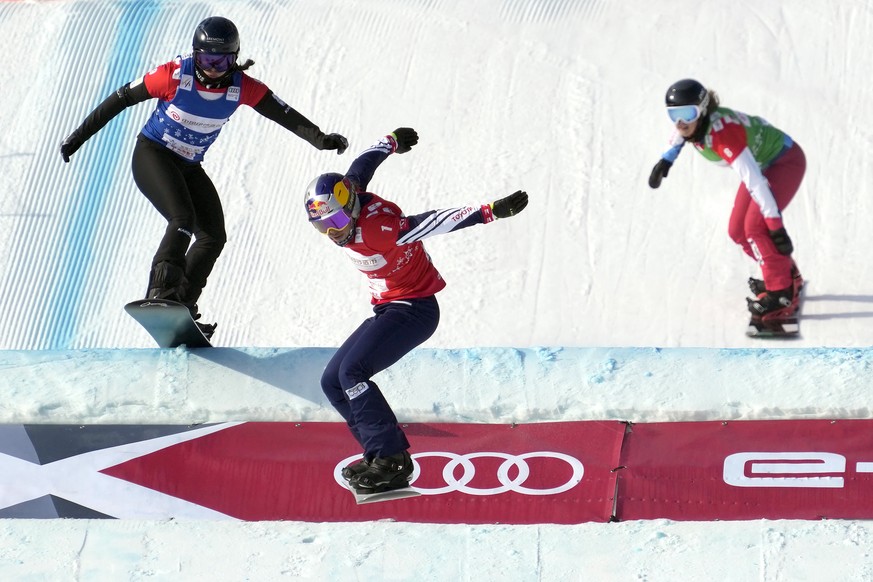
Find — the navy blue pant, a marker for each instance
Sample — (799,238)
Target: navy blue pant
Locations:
(380,341)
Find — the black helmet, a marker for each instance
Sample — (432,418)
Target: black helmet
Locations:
(216,35)
(688,92)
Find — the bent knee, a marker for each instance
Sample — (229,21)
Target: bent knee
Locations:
(738,235)
(213,239)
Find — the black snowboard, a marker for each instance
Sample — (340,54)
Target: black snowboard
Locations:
(788,327)
(168,322)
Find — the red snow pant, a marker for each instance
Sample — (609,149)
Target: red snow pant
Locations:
(748,229)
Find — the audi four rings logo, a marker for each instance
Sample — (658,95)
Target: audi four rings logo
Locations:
(467,463)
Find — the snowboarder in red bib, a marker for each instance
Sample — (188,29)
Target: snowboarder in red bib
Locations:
(771,167)
(197,93)
(385,245)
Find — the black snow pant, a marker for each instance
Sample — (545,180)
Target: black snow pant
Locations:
(186,197)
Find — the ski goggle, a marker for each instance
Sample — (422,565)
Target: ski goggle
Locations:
(216,62)
(684,113)
(336,221)
(331,215)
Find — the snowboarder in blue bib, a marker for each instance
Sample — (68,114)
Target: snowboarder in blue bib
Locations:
(197,94)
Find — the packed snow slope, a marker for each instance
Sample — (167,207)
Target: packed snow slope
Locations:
(585,294)
(561,99)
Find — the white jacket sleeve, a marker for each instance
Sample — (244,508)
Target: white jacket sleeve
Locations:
(759,188)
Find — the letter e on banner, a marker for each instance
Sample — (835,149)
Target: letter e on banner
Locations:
(802,469)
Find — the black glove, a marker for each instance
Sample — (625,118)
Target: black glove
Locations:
(71,145)
(660,171)
(334,141)
(782,241)
(509,206)
(405,138)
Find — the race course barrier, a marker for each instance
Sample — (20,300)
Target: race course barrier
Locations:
(554,472)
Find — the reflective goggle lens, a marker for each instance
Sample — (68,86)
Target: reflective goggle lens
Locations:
(215,62)
(684,113)
(336,221)
(342,191)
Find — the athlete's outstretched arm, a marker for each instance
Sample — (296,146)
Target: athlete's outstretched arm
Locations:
(362,169)
(434,222)
(274,109)
(125,96)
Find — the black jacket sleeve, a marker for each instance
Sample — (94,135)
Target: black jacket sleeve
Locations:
(117,102)
(274,109)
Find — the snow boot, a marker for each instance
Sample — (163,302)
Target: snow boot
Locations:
(756,286)
(207,329)
(355,469)
(797,281)
(773,304)
(167,281)
(384,474)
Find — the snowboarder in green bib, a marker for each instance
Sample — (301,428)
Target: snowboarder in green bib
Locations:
(771,167)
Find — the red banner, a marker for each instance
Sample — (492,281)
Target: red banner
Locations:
(803,469)
(467,473)
(565,472)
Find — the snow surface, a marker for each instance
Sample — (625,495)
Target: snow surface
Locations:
(598,302)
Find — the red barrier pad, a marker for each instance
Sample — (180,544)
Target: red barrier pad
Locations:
(792,469)
(468,473)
